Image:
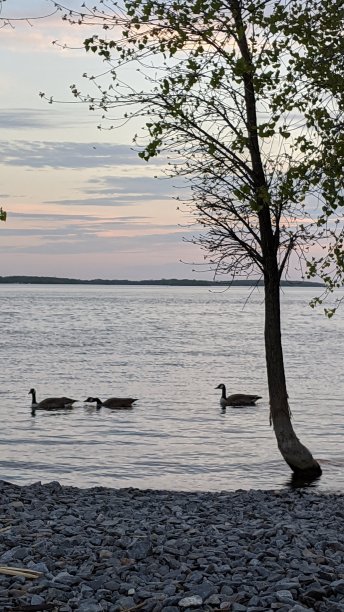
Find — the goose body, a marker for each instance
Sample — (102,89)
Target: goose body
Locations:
(113,402)
(237,399)
(50,403)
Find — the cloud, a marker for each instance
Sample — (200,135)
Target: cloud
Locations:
(37,118)
(43,154)
(48,154)
(58,233)
(77,241)
(131,180)
(126,191)
(74,217)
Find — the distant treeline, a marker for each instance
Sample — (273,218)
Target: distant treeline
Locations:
(176,282)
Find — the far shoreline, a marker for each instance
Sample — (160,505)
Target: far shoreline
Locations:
(171,282)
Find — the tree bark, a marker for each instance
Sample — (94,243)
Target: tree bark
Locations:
(296,455)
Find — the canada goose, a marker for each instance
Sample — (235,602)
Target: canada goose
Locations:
(113,402)
(50,403)
(237,399)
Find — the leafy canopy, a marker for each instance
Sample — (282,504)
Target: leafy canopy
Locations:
(245,101)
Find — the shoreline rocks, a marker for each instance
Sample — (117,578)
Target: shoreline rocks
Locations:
(111,550)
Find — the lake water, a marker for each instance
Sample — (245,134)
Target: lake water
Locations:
(169,347)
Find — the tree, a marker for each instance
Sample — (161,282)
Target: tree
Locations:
(217,96)
(315,88)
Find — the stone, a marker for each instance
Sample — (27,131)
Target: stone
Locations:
(140,549)
(338,586)
(190,602)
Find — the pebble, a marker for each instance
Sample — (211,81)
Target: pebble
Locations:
(110,550)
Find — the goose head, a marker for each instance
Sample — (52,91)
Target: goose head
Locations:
(32,392)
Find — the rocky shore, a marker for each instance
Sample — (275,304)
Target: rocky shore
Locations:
(111,550)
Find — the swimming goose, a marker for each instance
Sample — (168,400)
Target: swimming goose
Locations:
(113,402)
(50,403)
(237,399)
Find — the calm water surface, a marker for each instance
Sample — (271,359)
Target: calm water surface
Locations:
(168,346)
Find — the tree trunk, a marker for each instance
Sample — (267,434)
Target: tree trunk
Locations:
(294,453)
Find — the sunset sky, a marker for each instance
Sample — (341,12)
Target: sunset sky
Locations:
(80,202)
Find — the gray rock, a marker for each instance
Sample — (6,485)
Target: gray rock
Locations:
(190,602)
(89,605)
(122,603)
(18,552)
(17,505)
(37,600)
(226,589)
(213,600)
(66,578)
(204,590)
(287,585)
(140,549)
(38,567)
(315,591)
(196,576)
(338,586)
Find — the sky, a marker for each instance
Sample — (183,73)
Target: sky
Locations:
(80,203)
